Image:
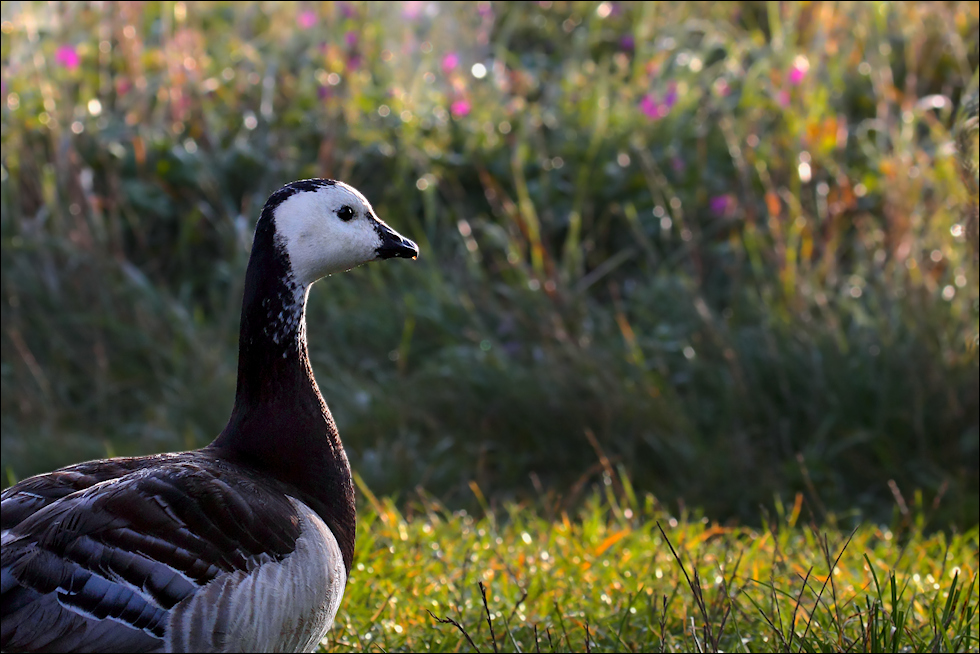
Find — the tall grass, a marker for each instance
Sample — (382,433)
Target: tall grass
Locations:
(731,248)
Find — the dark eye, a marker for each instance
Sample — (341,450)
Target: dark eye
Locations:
(345,213)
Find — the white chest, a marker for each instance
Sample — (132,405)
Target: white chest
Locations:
(275,606)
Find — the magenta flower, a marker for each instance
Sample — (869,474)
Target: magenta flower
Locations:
(449,62)
(671,98)
(783,98)
(649,106)
(67,57)
(460,108)
(720,204)
(800,66)
(412,9)
(350,38)
(306,19)
(652,108)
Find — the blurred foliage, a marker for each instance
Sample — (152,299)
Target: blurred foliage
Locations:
(731,246)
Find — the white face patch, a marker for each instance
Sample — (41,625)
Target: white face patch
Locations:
(318,239)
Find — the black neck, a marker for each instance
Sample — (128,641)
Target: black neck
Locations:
(280,423)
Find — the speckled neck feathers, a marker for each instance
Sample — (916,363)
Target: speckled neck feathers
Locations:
(285,320)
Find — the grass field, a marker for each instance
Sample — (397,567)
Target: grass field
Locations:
(625,575)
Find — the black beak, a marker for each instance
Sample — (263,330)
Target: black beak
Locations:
(394,244)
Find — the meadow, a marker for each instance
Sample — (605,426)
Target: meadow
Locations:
(712,266)
(622,574)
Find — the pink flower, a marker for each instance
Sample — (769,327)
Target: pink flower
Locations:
(649,106)
(720,204)
(460,108)
(796,75)
(449,62)
(652,108)
(800,66)
(412,9)
(67,57)
(783,98)
(306,19)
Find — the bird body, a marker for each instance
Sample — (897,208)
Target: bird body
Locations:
(244,545)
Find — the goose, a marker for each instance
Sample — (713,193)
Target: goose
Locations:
(243,545)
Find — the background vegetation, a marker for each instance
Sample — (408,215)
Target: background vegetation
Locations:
(728,250)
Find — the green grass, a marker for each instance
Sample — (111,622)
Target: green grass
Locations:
(626,575)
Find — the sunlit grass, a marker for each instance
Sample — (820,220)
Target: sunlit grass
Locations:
(609,571)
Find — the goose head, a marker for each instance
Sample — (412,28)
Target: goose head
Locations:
(326,226)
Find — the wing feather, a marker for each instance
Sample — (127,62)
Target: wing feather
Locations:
(98,562)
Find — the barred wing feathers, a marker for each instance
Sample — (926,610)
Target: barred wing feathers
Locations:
(124,563)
